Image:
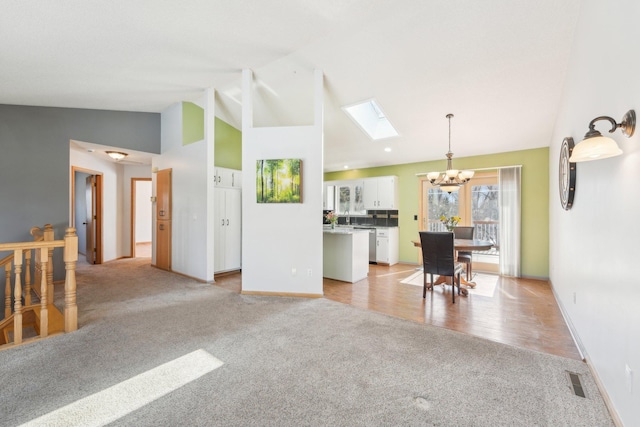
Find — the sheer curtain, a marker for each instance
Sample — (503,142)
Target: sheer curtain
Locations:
(510,217)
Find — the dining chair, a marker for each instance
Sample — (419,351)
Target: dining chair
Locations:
(438,258)
(463,256)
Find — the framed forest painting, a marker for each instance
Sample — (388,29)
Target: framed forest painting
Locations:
(279,181)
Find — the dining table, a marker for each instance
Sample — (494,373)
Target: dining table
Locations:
(465,245)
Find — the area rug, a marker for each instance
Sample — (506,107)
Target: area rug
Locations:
(485,283)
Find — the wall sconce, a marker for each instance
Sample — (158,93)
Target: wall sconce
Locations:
(116,155)
(594,146)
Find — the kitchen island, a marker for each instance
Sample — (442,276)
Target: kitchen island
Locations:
(345,254)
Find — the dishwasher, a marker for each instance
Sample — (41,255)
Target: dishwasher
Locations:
(372,241)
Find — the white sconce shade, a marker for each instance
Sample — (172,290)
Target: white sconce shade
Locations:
(599,147)
(594,146)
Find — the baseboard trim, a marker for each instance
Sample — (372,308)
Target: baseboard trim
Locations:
(607,401)
(585,357)
(281,294)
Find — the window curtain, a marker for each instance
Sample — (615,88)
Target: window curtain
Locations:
(510,220)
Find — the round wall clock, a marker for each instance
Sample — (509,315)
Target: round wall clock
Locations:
(566,174)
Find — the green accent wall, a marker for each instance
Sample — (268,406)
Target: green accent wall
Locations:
(535,200)
(228,146)
(227,139)
(192,123)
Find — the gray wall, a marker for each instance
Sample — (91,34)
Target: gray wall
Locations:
(34,161)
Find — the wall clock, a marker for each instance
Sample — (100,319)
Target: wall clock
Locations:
(566,174)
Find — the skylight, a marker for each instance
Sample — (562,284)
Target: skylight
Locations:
(369,116)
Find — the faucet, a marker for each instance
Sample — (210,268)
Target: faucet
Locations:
(348,217)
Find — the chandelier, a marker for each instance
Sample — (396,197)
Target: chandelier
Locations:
(451,179)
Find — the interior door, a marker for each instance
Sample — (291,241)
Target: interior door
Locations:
(233,232)
(163,219)
(90,225)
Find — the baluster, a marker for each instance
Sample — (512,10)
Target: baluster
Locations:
(70,258)
(44,312)
(17,314)
(7,290)
(48,237)
(27,277)
(38,272)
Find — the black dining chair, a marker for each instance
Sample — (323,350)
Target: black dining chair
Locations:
(463,256)
(438,258)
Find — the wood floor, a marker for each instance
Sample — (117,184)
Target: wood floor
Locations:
(522,312)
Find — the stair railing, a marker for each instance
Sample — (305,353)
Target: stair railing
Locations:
(39,235)
(44,258)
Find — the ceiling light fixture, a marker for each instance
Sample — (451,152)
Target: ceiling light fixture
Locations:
(117,155)
(594,146)
(452,179)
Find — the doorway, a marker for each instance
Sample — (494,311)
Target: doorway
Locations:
(86,212)
(141,217)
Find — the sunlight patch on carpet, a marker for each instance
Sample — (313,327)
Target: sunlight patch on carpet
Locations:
(113,403)
(485,283)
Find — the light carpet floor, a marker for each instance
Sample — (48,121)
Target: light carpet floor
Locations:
(286,362)
(485,283)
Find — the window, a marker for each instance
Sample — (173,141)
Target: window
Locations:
(369,117)
(476,203)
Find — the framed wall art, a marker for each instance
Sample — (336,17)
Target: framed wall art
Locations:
(279,181)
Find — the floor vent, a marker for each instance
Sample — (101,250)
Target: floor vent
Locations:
(576,385)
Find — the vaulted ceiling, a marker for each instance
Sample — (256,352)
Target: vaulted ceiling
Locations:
(497,65)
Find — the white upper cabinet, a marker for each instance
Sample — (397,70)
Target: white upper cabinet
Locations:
(329,196)
(350,197)
(381,193)
(229,178)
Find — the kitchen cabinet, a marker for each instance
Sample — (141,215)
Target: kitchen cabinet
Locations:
(387,249)
(345,255)
(350,198)
(228,178)
(381,193)
(227,229)
(329,196)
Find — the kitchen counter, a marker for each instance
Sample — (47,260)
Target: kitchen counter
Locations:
(345,254)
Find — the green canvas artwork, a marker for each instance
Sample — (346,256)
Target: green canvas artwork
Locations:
(279,181)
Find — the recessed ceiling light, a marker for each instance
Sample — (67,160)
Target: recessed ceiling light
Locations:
(369,116)
(388,149)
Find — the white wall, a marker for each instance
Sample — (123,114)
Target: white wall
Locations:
(81,210)
(143,212)
(594,246)
(190,174)
(111,201)
(129,172)
(116,202)
(279,237)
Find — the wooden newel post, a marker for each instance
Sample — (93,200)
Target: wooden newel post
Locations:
(70,259)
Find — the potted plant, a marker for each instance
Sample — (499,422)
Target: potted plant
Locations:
(332,218)
(450,222)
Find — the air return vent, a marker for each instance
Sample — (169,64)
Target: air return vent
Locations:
(576,384)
